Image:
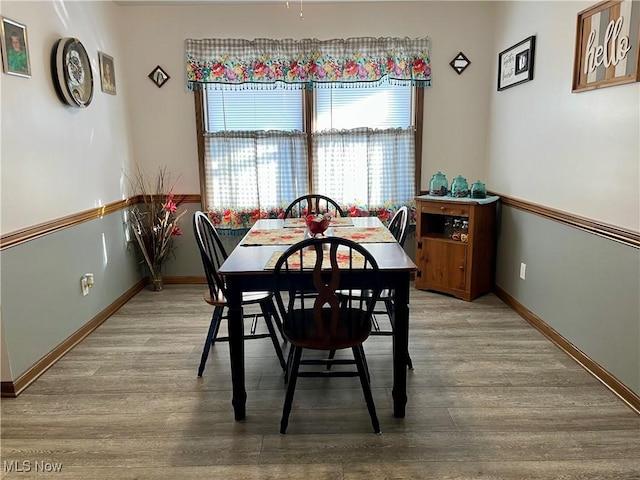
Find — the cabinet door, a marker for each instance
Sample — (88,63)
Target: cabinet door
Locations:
(444,264)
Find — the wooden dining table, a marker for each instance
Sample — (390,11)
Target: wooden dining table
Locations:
(246,269)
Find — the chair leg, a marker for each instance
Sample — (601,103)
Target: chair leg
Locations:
(291,388)
(390,311)
(409,362)
(358,354)
(332,355)
(214,326)
(364,363)
(289,364)
(374,323)
(267,312)
(276,318)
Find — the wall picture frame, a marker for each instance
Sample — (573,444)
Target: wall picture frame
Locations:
(460,63)
(15,48)
(515,64)
(607,45)
(159,76)
(107,73)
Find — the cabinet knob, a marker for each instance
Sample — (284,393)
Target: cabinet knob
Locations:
(442,208)
(461,267)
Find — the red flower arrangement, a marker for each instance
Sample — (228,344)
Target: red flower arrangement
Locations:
(154,222)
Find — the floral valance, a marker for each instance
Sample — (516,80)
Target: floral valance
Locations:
(307,63)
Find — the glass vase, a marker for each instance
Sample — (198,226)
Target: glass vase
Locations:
(155,280)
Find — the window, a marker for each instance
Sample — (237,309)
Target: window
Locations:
(255,149)
(253,110)
(360,149)
(384,106)
(363,145)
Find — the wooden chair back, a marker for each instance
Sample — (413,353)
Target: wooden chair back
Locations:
(313,203)
(320,311)
(399,223)
(212,253)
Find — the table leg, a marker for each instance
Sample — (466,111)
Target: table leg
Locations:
(236,348)
(400,347)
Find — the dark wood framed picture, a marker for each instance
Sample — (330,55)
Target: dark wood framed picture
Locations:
(459,63)
(15,48)
(515,64)
(607,41)
(159,76)
(107,73)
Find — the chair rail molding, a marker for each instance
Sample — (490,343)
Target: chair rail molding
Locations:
(23,235)
(618,234)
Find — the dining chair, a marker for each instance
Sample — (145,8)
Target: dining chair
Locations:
(316,318)
(213,255)
(312,203)
(399,228)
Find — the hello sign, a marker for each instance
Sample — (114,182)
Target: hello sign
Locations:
(607,39)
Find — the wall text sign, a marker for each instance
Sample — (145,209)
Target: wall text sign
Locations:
(607,39)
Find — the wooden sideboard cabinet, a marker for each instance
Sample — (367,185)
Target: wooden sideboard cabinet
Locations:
(462,269)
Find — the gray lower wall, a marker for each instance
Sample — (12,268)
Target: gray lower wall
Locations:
(42,302)
(584,286)
(187,262)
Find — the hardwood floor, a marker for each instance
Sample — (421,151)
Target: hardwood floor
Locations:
(489,398)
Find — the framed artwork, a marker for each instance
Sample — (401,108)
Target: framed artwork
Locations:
(515,64)
(159,76)
(15,48)
(72,73)
(607,41)
(107,73)
(459,63)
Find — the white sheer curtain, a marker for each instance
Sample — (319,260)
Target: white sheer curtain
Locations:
(255,169)
(361,166)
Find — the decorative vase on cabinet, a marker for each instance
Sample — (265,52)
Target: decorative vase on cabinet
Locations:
(462,264)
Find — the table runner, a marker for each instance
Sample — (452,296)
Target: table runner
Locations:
(335,222)
(275,236)
(309,260)
(365,235)
(291,236)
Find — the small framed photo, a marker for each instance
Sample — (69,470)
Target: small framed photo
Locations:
(515,64)
(15,48)
(159,76)
(107,73)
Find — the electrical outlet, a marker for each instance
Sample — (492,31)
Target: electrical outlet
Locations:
(523,271)
(85,285)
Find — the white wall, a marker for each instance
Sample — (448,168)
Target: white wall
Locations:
(163,120)
(575,152)
(59,160)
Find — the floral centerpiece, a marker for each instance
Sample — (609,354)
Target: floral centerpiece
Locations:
(154,222)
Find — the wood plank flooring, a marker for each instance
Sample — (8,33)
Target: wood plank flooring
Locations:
(490,398)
